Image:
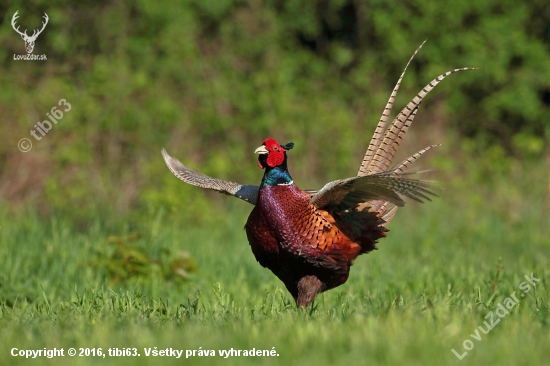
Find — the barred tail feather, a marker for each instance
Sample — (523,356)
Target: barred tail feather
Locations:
(405,164)
(379,132)
(394,135)
(387,148)
(388,214)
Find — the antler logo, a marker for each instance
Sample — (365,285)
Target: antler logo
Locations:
(29,40)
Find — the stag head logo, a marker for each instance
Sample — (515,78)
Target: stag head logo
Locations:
(29,40)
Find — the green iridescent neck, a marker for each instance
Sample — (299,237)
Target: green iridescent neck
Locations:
(276,176)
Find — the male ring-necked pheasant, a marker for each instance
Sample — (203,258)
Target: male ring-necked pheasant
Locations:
(310,239)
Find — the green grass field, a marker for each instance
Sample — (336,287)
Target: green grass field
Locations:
(444,266)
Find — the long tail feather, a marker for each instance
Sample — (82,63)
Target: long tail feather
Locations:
(386,151)
(379,132)
(389,212)
(391,142)
(405,164)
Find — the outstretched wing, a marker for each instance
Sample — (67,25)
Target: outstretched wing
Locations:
(188,175)
(350,193)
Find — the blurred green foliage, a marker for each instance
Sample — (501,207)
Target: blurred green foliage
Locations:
(210,80)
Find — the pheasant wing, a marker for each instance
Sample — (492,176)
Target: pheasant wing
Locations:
(188,175)
(349,193)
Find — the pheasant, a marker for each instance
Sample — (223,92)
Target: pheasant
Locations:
(310,239)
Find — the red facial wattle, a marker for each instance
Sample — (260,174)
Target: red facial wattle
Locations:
(272,154)
(275,158)
(276,154)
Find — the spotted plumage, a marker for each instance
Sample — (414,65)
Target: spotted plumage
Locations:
(309,239)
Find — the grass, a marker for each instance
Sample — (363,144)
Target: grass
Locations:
(443,267)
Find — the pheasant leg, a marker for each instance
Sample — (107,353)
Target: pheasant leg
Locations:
(308,288)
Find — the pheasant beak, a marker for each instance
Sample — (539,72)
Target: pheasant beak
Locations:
(261,150)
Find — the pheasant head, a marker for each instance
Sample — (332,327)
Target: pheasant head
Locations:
(272,154)
(272,158)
